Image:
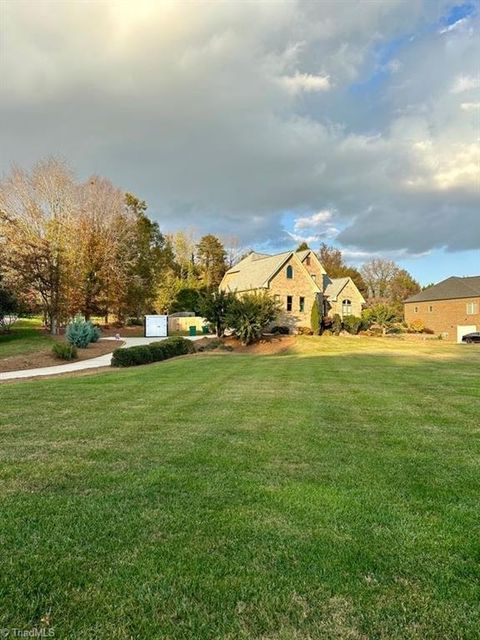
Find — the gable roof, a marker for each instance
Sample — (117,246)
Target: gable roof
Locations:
(256,270)
(449,289)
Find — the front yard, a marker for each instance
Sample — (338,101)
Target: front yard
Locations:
(329,492)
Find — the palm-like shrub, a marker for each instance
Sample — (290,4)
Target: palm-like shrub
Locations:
(250,315)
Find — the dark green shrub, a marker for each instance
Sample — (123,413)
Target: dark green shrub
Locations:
(352,324)
(214,307)
(132,356)
(154,352)
(95,332)
(281,329)
(65,351)
(337,324)
(134,322)
(316,318)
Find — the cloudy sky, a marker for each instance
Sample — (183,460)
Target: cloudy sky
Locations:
(357,123)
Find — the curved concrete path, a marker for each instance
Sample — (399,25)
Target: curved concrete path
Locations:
(92,363)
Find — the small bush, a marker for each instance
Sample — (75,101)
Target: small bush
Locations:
(154,352)
(305,331)
(337,324)
(352,324)
(283,330)
(134,322)
(327,332)
(81,332)
(417,326)
(132,356)
(95,333)
(65,351)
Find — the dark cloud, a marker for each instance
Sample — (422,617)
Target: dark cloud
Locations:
(224,116)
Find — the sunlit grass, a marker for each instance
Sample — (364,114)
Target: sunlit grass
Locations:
(332,493)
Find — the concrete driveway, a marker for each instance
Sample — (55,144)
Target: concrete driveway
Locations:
(92,363)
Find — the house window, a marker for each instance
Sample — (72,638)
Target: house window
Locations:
(301,305)
(289,303)
(289,272)
(430,308)
(346,307)
(307,261)
(472,308)
(415,309)
(314,276)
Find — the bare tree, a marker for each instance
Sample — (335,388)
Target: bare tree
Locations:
(36,210)
(378,275)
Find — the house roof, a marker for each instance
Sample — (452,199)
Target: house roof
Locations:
(334,286)
(255,271)
(449,289)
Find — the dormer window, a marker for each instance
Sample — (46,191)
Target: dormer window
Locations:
(289,272)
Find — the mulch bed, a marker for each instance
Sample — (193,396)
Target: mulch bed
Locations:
(47,359)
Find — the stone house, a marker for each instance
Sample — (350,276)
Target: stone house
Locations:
(298,281)
(450,308)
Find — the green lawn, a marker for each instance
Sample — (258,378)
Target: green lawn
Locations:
(25,337)
(333,493)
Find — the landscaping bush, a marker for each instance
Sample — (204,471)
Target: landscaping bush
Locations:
(132,356)
(337,324)
(282,330)
(134,322)
(251,314)
(352,324)
(95,332)
(417,326)
(81,332)
(316,319)
(305,331)
(65,351)
(155,352)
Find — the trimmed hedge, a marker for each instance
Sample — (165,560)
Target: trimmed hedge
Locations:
(154,352)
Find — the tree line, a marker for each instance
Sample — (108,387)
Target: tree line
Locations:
(69,247)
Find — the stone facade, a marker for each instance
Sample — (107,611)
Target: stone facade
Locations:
(444,316)
(348,293)
(297,280)
(299,286)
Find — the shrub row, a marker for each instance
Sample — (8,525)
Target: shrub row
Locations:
(154,352)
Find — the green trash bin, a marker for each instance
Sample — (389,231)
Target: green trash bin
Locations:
(192,331)
(204,330)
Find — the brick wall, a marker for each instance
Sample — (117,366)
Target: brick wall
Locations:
(443,316)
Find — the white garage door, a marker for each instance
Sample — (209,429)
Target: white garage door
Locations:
(462,330)
(156,326)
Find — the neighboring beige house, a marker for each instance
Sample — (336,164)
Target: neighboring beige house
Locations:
(297,280)
(450,308)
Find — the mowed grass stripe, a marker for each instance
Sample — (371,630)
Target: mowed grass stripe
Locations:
(298,496)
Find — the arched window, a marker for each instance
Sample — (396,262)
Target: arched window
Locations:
(346,307)
(289,272)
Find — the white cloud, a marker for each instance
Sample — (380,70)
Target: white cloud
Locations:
(470,106)
(314,221)
(306,82)
(465,83)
